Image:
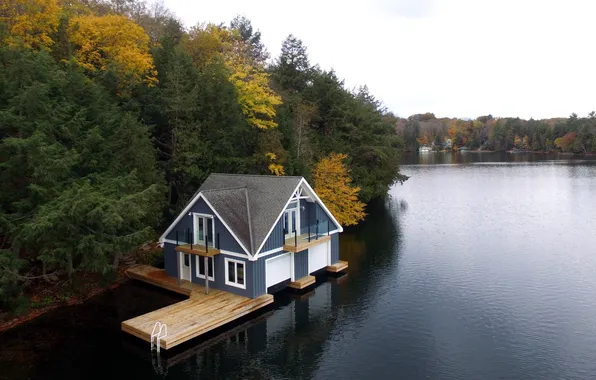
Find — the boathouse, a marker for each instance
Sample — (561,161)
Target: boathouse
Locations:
(245,234)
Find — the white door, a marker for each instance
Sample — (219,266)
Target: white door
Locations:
(317,257)
(185,266)
(278,269)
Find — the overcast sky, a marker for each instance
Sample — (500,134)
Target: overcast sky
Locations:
(456,58)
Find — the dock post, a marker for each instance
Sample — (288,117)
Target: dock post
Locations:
(207,275)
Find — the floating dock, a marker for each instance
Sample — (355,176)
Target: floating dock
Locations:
(338,267)
(190,318)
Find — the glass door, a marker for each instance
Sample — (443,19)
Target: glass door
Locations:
(290,225)
(204,230)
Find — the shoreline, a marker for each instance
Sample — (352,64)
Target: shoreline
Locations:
(35,312)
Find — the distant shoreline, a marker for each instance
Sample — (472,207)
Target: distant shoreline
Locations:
(589,154)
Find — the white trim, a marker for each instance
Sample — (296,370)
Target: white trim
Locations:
(234,254)
(340,229)
(277,219)
(290,200)
(293,271)
(271,252)
(235,284)
(198,275)
(195,235)
(187,209)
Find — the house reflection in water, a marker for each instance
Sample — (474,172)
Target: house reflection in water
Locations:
(283,342)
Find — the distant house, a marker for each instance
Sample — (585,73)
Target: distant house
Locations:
(247,233)
(447,144)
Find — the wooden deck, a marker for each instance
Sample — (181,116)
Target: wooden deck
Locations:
(303,282)
(303,243)
(158,277)
(197,249)
(338,267)
(190,318)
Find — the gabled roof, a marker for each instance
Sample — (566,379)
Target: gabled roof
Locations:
(264,197)
(249,205)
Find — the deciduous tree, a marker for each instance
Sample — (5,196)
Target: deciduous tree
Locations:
(332,183)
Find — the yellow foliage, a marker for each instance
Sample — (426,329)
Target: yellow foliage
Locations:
(255,97)
(277,169)
(333,185)
(30,22)
(257,100)
(273,167)
(113,40)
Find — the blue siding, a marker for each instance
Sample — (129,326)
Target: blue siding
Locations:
(276,239)
(220,275)
(300,264)
(170,260)
(226,241)
(334,248)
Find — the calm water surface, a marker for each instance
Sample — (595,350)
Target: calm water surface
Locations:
(481,266)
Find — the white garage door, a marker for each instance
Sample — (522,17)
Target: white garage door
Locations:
(317,257)
(278,269)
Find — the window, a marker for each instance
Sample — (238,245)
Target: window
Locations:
(201,267)
(235,274)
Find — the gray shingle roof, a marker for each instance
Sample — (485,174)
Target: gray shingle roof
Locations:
(249,204)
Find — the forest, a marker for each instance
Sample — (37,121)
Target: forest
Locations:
(112,113)
(572,135)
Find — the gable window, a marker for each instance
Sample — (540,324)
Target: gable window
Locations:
(235,273)
(204,229)
(201,267)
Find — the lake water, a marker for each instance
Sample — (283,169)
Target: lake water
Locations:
(481,266)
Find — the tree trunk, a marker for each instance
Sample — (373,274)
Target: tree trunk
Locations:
(117,257)
(69,267)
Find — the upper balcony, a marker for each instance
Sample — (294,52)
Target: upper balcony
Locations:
(314,235)
(204,245)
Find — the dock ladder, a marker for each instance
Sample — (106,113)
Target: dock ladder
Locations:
(160,330)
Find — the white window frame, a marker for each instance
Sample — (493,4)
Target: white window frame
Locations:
(296,209)
(199,258)
(195,226)
(236,262)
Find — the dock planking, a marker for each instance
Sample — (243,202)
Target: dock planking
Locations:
(190,318)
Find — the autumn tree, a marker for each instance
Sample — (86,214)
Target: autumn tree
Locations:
(332,182)
(565,143)
(29,23)
(104,42)
(257,100)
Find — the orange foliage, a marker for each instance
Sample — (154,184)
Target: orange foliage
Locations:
(332,184)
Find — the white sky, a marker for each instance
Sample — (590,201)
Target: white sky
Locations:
(456,58)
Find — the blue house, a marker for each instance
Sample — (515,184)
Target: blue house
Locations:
(245,234)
